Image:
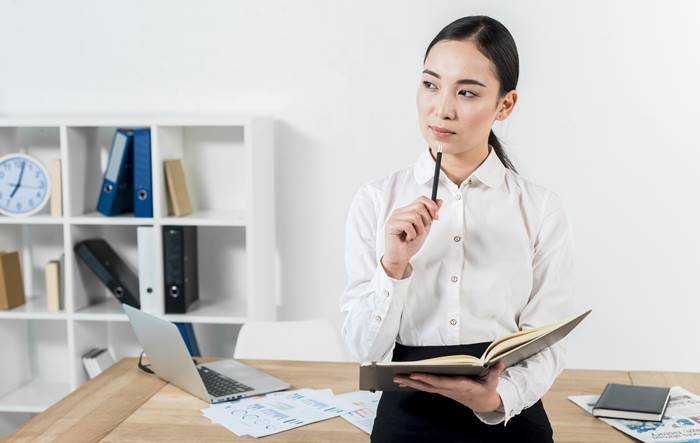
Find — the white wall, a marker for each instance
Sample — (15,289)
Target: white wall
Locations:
(607,118)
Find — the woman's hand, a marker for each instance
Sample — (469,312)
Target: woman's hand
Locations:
(405,233)
(478,395)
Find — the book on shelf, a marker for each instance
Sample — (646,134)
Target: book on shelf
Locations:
(56,190)
(510,349)
(11,285)
(178,200)
(52,274)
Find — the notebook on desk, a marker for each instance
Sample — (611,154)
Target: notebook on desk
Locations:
(510,349)
(632,402)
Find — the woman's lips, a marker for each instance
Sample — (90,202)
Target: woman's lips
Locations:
(440,133)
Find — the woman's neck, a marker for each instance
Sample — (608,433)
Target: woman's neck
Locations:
(458,167)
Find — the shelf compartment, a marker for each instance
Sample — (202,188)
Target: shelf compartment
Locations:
(34,308)
(88,290)
(117,337)
(208,218)
(201,311)
(34,396)
(88,151)
(36,245)
(32,220)
(214,159)
(96,218)
(39,374)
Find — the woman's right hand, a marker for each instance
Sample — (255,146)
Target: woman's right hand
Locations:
(405,233)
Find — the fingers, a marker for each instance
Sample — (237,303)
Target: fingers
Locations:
(415,219)
(398,227)
(416,384)
(434,380)
(449,383)
(431,206)
(494,373)
(419,217)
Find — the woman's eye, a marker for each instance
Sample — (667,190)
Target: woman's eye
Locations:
(427,84)
(471,94)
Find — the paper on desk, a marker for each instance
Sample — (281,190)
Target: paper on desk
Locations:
(276,412)
(680,424)
(360,407)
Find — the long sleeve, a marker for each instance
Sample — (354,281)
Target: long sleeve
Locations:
(551,299)
(371,301)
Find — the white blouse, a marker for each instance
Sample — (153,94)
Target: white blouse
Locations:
(499,259)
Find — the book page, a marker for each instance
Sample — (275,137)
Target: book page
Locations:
(444,360)
(503,346)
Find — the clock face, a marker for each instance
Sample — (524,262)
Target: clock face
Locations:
(24,185)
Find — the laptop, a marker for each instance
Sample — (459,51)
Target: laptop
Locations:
(213,382)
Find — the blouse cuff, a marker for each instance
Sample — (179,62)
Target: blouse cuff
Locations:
(509,398)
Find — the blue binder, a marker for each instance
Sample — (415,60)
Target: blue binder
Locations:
(116,195)
(187,332)
(143,203)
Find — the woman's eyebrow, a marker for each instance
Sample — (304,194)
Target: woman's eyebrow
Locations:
(464,81)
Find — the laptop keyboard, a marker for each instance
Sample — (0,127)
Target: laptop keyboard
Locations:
(219,385)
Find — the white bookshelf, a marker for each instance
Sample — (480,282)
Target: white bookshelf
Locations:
(228,162)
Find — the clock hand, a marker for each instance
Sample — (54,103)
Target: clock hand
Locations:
(25,186)
(21,173)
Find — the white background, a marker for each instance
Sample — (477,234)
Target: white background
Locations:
(607,118)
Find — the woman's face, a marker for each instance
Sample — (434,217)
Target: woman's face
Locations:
(459,92)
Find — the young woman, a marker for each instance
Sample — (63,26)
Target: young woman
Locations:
(493,255)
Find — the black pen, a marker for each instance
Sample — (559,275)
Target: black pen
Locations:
(436,177)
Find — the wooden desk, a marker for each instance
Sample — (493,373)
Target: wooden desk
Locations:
(124,404)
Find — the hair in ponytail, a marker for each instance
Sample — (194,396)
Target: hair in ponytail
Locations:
(497,44)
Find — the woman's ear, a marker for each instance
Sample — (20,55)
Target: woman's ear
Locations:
(506,104)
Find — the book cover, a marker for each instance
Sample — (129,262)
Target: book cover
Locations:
(179,203)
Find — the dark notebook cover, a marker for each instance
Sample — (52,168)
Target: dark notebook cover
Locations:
(646,399)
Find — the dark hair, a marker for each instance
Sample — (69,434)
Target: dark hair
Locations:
(495,42)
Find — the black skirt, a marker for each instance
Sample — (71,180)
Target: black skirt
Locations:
(417,416)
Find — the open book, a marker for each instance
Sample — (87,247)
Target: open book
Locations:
(511,349)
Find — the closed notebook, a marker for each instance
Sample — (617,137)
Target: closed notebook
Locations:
(632,402)
(511,349)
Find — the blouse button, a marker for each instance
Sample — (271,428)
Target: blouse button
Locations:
(453,322)
(386,292)
(454,278)
(378,318)
(458,196)
(457,238)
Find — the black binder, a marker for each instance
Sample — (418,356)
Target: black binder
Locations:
(101,259)
(180,268)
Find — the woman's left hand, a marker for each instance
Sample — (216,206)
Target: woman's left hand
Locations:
(479,395)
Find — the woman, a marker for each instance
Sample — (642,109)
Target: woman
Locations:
(493,255)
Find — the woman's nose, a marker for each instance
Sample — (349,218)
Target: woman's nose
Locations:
(445,108)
